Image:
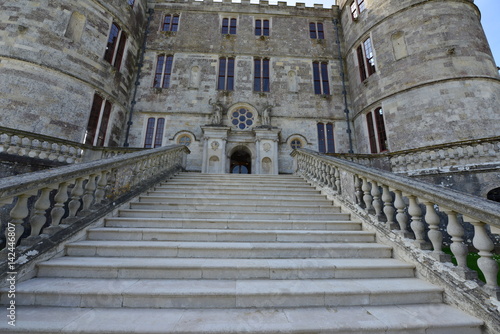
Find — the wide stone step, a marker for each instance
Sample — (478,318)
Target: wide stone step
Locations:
(244,182)
(163,234)
(213,214)
(156,293)
(241,192)
(209,268)
(234,224)
(218,187)
(224,250)
(288,196)
(238,205)
(245,201)
(409,319)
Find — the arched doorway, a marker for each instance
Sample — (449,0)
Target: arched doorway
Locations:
(241,162)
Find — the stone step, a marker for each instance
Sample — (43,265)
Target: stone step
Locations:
(288,196)
(408,319)
(156,293)
(240,192)
(223,250)
(238,206)
(210,268)
(234,224)
(235,200)
(204,214)
(218,187)
(164,234)
(278,182)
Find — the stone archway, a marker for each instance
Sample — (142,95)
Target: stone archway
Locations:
(240,161)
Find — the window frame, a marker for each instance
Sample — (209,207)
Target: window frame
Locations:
(163,73)
(260,28)
(262,81)
(357,7)
(321,81)
(377,135)
(225,78)
(366,60)
(316,30)
(173,23)
(229,26)
(115,47)
(98,123)
(154,131)
(326,137)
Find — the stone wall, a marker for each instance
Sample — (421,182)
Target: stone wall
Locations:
(51,61)
(435,76)
(197,46)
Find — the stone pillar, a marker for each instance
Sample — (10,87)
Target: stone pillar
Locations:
(214,149)
(266,140)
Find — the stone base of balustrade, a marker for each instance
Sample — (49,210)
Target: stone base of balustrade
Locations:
(423,245)
(392,227)
(492,291)
(441,257)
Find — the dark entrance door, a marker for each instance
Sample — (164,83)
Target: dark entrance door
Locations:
(241,163)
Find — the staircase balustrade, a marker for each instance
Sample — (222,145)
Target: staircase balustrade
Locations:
(36,146)
(450,157)
(67,195)
(409,198)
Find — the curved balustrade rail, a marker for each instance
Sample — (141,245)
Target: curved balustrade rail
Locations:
(32,145)
(397,202)
(50,201)
(450,157)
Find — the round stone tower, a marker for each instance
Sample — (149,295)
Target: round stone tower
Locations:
(68,65)
(421,73)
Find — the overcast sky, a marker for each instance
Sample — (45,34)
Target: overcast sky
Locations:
(490,10)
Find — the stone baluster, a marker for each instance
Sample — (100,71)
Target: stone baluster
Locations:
(60,199)
(417,225)
(101,187)
(486,264)
(17,215)
(435,235)
(401,216)
(458,247)
(376,203)
(39,218)
(5,140)
(388,208)
(14,145)
(74,204)
(367,197)
(88,196)
(358,192)
(337,180)
(63,153)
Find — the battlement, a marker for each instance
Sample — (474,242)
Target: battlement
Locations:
(245,3)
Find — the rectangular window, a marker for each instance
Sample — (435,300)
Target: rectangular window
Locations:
(163,71)
(325,138)
(261,27)
(229,26)
(226,74)
(357,6)
(382,136)
(154,132)
(366,59)
(320,78)
(261,75)
(316,30)
(97,125)
(376,131)
(116,46)
(170,23)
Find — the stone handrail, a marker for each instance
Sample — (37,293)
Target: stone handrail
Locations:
(410,209)
(450,157)
(48,202)
(37,146)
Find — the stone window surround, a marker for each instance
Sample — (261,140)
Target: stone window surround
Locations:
(229,25)
(321,82)
(357,7)
(156,133)
(165,72)
(366,63)
(171,24)
(263,27)
(375,131)
(115,46)
(316,30)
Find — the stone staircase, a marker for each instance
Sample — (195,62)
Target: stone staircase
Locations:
(231,254)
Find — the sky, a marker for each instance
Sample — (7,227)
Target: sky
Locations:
(490,9)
